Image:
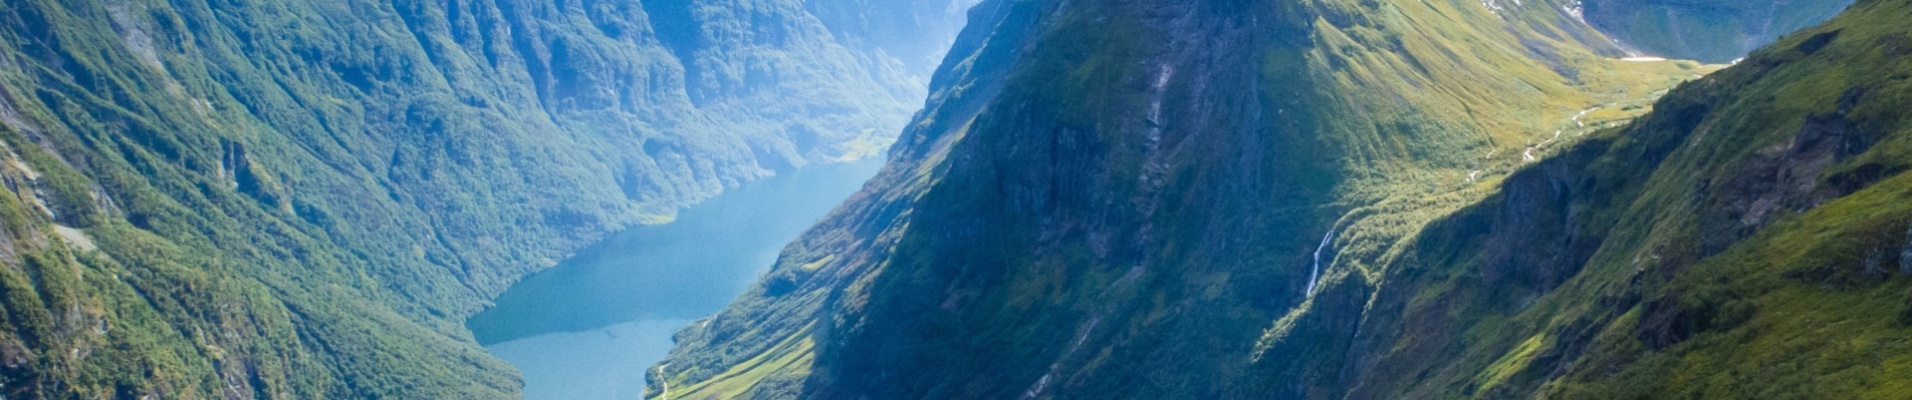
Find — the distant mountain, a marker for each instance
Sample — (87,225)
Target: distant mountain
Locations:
(1709,30)
(1353,199)
(303,199)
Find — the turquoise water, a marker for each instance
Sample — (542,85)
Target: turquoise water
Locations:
(587,328)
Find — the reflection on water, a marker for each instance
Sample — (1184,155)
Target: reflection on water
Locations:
(607,363)
(587,328)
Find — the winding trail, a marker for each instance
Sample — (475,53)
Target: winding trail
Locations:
(665,391)
(1576,118)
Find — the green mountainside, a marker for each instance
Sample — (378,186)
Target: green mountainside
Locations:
(1354,199)
(1749,239)
(1707,30)
(1097,184)
(1369,199)
(304,199)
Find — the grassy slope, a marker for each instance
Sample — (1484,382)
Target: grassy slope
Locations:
(303,199)
(1019,255)
(1744,241)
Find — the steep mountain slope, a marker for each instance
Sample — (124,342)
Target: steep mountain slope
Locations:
(1749,239)
(1116,199)
(1709,30)
(273,199)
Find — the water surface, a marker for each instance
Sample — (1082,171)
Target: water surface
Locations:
(587,328)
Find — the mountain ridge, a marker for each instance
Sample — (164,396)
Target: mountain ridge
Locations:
(1712,31)
(1110,203)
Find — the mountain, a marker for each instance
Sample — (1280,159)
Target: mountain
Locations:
(1353,199)
(304,199)
(1708,30)
(1095,185)
(1748,239)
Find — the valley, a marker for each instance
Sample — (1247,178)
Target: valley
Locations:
(307,199)
(591,326)
(955,199)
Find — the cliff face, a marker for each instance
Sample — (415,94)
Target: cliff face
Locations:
(1706,30)
(1130,199)
(244,199)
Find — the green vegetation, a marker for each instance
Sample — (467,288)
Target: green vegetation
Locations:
(1124,210)
(1135,214)
(1745,240)
(304,199)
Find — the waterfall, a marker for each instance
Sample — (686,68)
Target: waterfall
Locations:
(1315,276)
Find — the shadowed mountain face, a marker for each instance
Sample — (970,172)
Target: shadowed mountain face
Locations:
(1362,199)
(304,199)
(1707,30)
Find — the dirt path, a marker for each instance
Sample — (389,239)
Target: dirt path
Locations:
(1576,118)
(664,381)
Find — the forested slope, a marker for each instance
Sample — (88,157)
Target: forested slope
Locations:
(304,199)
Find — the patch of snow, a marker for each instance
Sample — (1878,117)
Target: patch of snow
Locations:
(1643,59)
